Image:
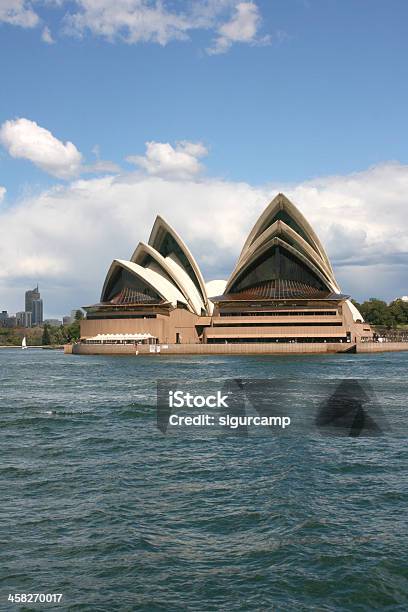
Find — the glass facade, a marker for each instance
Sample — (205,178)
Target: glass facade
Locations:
(37,312)
(127,288)
(277,263)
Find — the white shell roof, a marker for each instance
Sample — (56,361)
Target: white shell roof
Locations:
(265,233)
(157,281)
(161,224)
(173,268)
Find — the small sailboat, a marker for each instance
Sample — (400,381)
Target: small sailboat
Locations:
(24,343)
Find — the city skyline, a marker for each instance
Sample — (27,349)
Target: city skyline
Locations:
(104,125)
(33,314)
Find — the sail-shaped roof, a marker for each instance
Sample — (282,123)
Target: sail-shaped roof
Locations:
(168,243)
(282,209)
(279,229)
(128,282)
(283,256)
(146,256)
(163,270)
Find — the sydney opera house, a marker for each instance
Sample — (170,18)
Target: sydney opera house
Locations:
(282,290)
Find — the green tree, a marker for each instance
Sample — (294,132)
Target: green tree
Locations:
(46,338)
(75,330)
(399,311)
(377,312)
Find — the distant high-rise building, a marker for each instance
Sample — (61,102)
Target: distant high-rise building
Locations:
(66,320)
(23,319)
(3,317)
(30,295)
(37,312)
(6,320)
(34,304)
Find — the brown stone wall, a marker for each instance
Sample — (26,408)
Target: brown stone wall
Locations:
(188,326)
(182,322)
(381,347)
(357,330)
(211,349)
(162,327)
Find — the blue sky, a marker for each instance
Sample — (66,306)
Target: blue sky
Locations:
(317,88)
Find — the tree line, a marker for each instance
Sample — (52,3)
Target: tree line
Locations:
(62,334)
(377,312)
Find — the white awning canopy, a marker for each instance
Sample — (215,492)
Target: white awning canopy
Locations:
(134,337)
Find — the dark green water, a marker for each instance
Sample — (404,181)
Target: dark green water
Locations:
(98,505)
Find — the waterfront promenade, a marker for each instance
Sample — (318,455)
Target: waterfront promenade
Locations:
(235,349)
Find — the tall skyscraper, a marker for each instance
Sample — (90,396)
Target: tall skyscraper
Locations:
(34,304)
(37,312)
(30,295)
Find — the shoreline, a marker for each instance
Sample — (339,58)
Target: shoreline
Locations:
(58,347)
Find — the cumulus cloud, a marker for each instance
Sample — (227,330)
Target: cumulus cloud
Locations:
(179,162)
(18,13)
(362,220)
(67,236)
(242,27)
(141,21)
(130,20)
(361,216)
(136,21)
(25,139)
(2,193)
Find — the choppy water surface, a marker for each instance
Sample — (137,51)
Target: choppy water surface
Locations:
(97,504)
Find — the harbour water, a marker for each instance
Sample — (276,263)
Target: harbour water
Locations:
(99,505)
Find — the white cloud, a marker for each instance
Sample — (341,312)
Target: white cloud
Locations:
(25,139)
(362,217)
(135,21)
(362,220)
(66,237)
(2,193)
(130,20)
(18,13)
(242,28)
(46,36)
(141,21)
(179,162)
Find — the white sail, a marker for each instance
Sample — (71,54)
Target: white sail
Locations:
(24,343)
